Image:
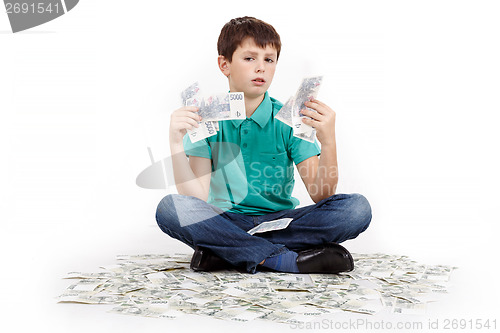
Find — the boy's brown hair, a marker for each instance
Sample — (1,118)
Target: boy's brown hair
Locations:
(235,31)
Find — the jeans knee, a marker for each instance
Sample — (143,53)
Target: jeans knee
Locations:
(166,213)
(361,212)
(165,204)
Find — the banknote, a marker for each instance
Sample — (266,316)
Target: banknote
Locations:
(307,91)
(406,307)
(155,309)
(190,93)
(285,113)
(271,225)
(223,107)
(205,130)
(90,284)
(307,136)
(100,275)
(362,306)
(290,113)
(90,298)
(191,96)
(213,108)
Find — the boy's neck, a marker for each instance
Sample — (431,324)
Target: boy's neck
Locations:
(251,104)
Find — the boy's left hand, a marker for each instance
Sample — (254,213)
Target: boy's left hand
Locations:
(323,121)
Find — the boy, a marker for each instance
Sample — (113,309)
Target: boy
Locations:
(223,193)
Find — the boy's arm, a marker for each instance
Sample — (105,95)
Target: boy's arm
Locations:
(320,175)
(191,178)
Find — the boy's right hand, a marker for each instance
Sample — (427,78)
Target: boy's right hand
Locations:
(181,119)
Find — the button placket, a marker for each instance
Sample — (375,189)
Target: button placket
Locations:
(244,131)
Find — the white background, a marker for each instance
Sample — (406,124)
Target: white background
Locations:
(415,86)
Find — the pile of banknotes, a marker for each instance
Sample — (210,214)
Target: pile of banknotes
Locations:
(229,106)
(164,286)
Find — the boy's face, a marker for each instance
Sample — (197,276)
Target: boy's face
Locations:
(251,69)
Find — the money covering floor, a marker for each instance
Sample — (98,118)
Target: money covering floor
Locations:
(164,286)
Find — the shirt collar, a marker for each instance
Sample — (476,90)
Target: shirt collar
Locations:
(261,115)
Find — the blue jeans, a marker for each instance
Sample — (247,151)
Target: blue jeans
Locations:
(197,223)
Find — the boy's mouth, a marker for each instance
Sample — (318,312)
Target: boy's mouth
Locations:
(259,81)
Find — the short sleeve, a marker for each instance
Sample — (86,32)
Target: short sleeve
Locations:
(301,150)
(199,148)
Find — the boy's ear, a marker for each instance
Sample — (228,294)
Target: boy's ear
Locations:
(223,65)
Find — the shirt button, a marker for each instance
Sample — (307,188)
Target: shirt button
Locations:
(244,145)
(245,131)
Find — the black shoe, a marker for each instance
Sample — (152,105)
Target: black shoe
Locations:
(205,260)
(327,258)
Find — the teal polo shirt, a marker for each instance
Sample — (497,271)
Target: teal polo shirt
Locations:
(252,162)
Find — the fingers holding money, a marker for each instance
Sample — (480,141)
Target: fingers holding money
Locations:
(321,108)
(313,115)
(186,117)
(322,120)
(181,120)
(320,113)
(316,105)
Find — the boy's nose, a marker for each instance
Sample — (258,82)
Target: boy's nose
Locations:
(260,67)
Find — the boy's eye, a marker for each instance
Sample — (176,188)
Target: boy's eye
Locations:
(269,60)
(248,58)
